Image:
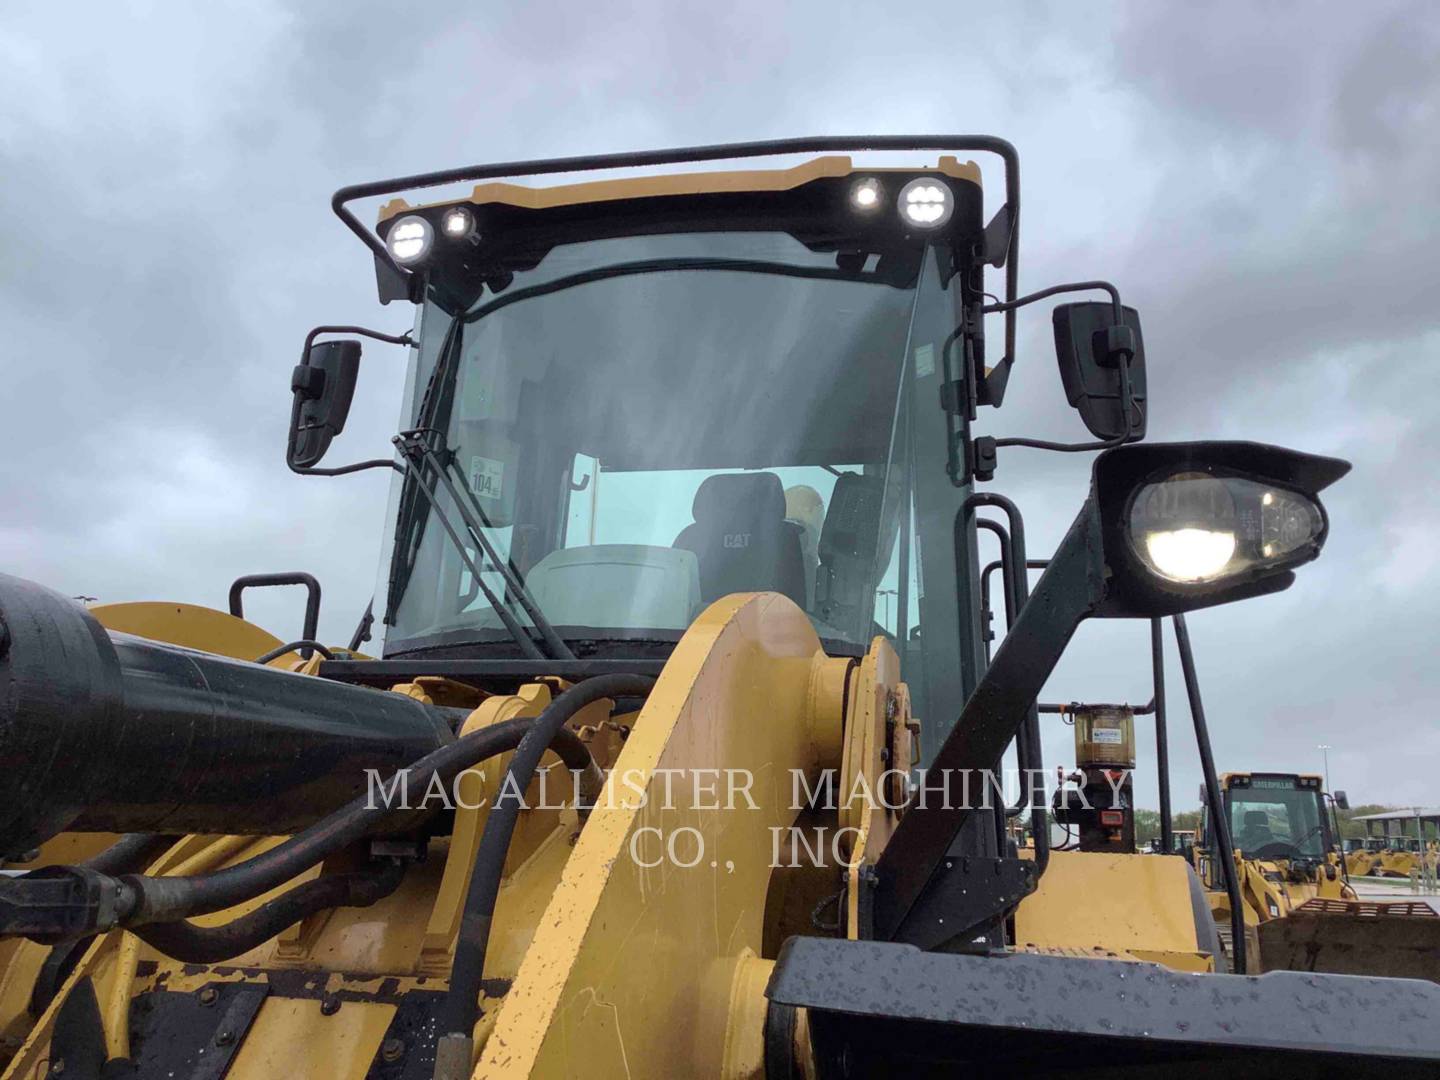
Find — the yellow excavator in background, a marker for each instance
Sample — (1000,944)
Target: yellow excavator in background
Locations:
(654,764)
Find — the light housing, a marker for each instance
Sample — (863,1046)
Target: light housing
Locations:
(1189,525)
(458,223)
(410,239)
(1195,527)
(866,194)
(926,202)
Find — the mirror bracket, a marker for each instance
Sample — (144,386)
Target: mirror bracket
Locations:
(321,386)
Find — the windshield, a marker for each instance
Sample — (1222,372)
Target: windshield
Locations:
(1275,811)
(641,445)
(636,427)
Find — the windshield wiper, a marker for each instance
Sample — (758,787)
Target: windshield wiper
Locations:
(416,449)
(523,639)
(410,521)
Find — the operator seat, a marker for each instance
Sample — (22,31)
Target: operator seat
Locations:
(741,539)
(1256,831)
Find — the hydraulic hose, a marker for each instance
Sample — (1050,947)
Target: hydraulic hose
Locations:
(191,944)
(55,904)
(165,899)
(132,852)
(462,1001)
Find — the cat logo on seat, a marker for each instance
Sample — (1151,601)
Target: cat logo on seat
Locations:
(736,540)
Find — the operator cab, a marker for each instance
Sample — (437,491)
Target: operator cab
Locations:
(1276,816)
(645,404)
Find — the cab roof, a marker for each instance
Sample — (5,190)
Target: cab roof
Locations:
(678,183)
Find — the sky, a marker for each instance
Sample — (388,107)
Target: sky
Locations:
(1261,181)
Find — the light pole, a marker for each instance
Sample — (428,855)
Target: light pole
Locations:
(1325,749)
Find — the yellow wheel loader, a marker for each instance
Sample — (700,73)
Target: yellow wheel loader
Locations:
(1404,856)
(668,748)
(1362,855)
(1299,908)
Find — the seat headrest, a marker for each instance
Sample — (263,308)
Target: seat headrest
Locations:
(1256,819)
(852,524)
(727,497)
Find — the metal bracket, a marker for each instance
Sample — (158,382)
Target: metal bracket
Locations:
(967,895)
(195,1035)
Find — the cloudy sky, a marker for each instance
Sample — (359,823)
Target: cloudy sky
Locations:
(1262,181)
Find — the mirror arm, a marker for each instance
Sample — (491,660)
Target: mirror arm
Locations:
(986,445)
(1134,408)
(1056,290)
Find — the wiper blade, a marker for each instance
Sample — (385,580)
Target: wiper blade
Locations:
(414,446)
(410,520)
(522,638)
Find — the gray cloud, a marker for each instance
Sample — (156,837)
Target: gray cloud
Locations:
(1259,179)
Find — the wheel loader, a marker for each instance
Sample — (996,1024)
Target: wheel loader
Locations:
(1282,829)
(667,745)
(1362,855)
(1403,856)
(1300,910)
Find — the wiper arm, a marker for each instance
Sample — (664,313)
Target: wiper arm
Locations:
(410,526)
(413,445)
(518,632)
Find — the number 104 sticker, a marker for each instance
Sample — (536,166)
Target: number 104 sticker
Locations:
(487,477)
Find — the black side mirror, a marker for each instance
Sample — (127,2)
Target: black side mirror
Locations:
(1341,802)
(1089,346)
(323,386)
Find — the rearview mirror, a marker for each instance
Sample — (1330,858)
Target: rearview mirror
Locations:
(1341,802)
(1088,346)
(323,386)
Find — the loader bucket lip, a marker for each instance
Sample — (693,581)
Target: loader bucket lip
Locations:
(866,999)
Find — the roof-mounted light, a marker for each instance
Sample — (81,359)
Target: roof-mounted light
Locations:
(458,223)
(866,194)
(926,203)
(410,239)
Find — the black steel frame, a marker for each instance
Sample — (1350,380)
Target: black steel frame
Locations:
(292,577)
(1006,221)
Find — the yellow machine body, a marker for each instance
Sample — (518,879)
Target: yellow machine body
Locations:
(604,964)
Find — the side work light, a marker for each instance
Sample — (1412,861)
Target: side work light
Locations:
(1192,527)
(1192,524)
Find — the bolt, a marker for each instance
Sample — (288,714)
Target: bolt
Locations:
(57,1066)
(224,1038)
(330,1006)
(392,1050)
(209,996)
